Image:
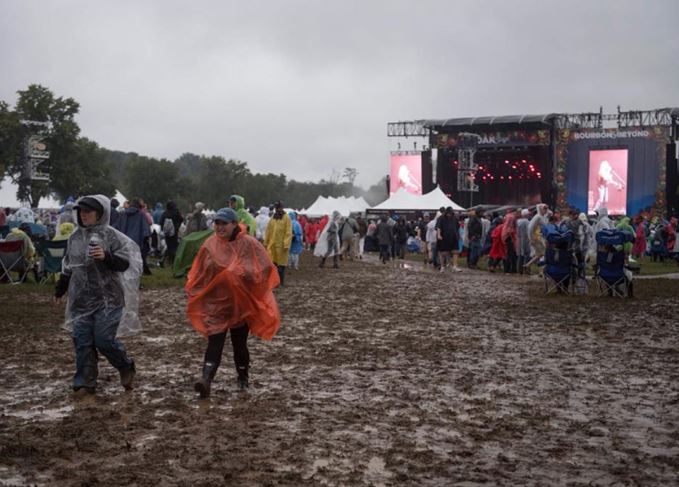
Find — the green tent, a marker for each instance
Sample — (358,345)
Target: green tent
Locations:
(187,251)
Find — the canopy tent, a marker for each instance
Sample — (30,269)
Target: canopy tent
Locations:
(325,206)
(403,200)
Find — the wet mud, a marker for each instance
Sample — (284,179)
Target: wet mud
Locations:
(380,375)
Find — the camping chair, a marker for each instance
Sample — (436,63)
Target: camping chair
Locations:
(51,254)
(611,274)
(560,270)
(12,260)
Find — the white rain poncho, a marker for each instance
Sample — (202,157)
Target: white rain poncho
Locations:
(93,286)
(329,238)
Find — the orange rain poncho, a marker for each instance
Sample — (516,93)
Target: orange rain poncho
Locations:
(231,282)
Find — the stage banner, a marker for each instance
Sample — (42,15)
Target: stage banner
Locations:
(497,139)
(603,167)
(406,172)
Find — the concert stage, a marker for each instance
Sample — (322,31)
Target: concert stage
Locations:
(625,161)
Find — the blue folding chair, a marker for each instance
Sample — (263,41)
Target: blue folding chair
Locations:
(611,274)
(559,266)
(51,254)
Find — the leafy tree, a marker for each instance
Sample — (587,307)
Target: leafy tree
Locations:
(86,172)
(151,179)
(38,103)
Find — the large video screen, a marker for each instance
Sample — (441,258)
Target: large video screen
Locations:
(406,172)
(608,181)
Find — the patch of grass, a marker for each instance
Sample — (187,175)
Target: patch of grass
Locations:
(161,277)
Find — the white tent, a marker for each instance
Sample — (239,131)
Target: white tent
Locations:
(403,200)
(325,206)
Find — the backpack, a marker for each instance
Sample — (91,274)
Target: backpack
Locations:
(168,227)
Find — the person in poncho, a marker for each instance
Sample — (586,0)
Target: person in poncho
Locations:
(278,238)
(237,203)
(100,274)
(229,289)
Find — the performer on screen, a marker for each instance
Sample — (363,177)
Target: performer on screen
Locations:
(407,180)
(607,176)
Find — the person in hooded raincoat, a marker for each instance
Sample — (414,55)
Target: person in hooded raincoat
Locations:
(278,239)
(603,221)
(262,220)
(237,202)
(297,241)
(229,289)
(328,243)
(535,225)
(100,274)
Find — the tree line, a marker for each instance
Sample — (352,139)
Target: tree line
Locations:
(78,166)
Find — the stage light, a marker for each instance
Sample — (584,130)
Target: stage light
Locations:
(509,177)
(506,161)
(523,160)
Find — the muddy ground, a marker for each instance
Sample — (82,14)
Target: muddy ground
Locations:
(380,375)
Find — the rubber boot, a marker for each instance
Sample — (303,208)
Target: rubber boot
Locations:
(322,264)
(202,385)
(334,262)
(127,377)
(281,274)
(243,383)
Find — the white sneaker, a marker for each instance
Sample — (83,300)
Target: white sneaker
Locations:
(443,269)
(456,269)
(631,259)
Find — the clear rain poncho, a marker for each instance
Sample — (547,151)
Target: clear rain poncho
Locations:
(329,243)
(93,286)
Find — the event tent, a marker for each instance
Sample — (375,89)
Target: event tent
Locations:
(403,200)
(8,199)
(325,206)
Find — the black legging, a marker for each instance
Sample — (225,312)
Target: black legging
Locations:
(239,340)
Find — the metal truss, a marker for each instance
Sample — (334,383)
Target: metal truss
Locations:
(413,128)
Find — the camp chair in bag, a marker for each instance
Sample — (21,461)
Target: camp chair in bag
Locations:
(559,272)
(12,260)
(611,274)
(51,254)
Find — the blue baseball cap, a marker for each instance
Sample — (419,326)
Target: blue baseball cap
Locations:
(226,215)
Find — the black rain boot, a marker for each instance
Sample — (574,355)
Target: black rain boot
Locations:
(127,377)
(322,264)
(334,262)
(243,383)
(281,274)
(202,385)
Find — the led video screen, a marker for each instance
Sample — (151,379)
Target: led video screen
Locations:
(608,181)
(406,172)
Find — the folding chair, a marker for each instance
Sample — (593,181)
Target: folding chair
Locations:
(51,254)
(559,272)
(611,274)
(12,260)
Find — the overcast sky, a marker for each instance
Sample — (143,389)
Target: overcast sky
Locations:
(305,87)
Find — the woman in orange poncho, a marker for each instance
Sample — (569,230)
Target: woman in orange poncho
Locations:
(230,288)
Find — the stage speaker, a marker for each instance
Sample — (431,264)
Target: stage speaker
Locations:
(427,172)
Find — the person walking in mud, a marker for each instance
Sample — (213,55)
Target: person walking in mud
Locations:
(100,273)
(230,289)
(328,242)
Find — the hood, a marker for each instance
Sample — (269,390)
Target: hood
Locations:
(624,222)
(132,210)
(158,207)
(240,201)
(336,216)
(263,211)
(292,215)
(66,228)
(106,215)
(602,212)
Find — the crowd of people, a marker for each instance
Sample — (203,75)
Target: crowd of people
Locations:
(244,257)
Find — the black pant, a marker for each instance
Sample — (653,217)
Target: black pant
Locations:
(239,340)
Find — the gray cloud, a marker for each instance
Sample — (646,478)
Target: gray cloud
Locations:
(306,87)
